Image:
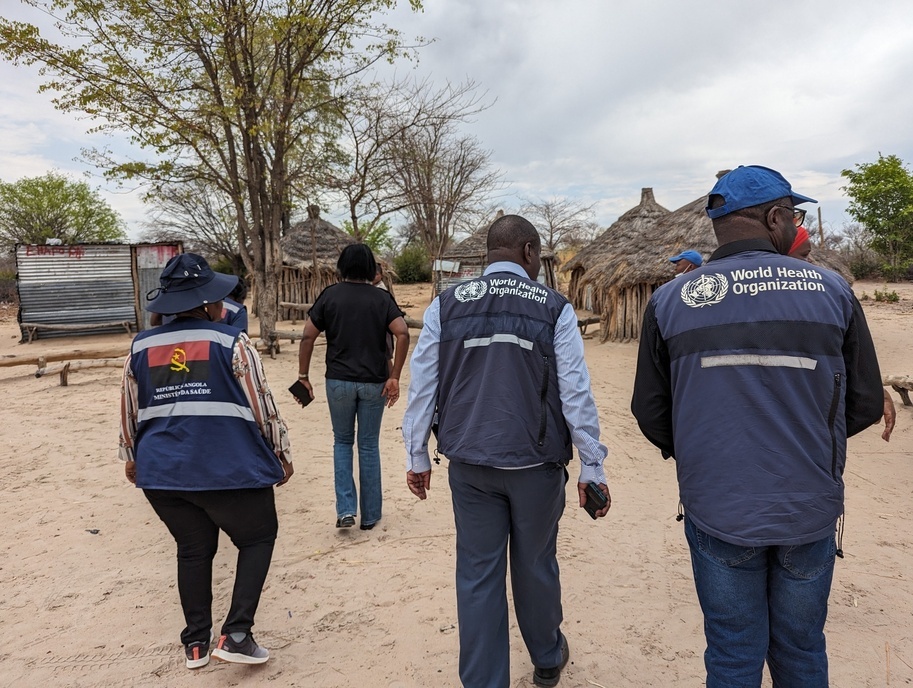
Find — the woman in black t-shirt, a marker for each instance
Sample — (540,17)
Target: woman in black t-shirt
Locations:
(356,317)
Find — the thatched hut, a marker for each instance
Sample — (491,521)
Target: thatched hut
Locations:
(629,228)
(469,257)
(309,254)
(625,278)
(832,260)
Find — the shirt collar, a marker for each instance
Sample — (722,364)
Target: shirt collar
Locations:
(506,266)
(741,246)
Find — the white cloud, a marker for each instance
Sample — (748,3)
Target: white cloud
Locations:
(596,100)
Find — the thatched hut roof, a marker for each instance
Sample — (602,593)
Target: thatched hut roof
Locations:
(473,247)
(314,236)
(645,259)
(832,260)
(628,227)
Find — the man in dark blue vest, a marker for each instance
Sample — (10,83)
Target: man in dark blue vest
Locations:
(501,359)
(752,372)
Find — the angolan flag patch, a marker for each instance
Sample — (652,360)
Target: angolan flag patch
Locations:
(173,364)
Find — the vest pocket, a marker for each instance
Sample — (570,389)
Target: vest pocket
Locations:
(831,417)
(543,401)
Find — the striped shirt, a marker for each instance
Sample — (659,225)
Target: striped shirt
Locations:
(248,369)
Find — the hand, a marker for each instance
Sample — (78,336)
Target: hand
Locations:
(307,386)
(130,471)
(391,391)
(418,483)
(581,492)
(890,416)
(288,470)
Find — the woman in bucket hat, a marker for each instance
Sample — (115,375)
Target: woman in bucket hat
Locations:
(201,435)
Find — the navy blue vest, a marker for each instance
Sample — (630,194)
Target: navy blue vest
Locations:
(195,429)
(498,401)
(758,376)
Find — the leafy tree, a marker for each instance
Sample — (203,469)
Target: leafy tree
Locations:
(563,223)
(52,206)
(881,198)
(235,93)
(412,264)
(377,235)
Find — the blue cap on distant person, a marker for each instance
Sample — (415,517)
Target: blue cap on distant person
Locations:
(750,185)
(690,256)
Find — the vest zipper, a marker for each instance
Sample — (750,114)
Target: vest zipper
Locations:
(835,402)
(543,402)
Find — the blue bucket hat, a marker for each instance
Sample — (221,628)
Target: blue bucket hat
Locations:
(690,256)
(750,185)
(187,282)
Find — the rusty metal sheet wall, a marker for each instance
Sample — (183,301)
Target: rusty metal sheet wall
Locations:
(69,285)
(150,259)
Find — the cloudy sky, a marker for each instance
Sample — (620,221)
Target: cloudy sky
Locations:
(595,99)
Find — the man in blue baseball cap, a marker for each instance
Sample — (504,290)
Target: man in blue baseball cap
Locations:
(772,367)
(686,261)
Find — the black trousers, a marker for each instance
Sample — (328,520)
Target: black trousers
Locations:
(248,517)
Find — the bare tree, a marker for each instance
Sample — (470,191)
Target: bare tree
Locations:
(442,175)
(563,223)
(384,125)
(198,215)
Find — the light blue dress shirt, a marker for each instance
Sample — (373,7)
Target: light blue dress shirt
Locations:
(577,403)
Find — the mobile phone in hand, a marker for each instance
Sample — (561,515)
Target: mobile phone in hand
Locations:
(595,499)
(301,393)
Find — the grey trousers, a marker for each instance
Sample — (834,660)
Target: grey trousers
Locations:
(499,511)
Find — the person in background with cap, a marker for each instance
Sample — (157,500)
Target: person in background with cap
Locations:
(201,435)
(686,261)
(772,367)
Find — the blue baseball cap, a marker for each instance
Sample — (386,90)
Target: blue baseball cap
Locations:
(690,256)
(750,185)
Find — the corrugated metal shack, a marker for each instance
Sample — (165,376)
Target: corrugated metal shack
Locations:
(83,289)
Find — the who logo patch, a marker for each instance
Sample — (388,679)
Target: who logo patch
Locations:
(470,291)
(706,290)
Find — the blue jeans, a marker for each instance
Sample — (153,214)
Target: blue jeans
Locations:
(763,602)
(362,402)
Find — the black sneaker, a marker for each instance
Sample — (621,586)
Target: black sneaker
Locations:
(240,648)
(345,522)
(550,676)
(197,654)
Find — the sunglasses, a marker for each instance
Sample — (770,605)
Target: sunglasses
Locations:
(798,214)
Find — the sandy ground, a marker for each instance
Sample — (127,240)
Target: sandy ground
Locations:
(87,572)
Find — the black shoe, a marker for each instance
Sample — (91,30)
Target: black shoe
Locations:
(345,522)
(197,654)
(240,650)
(550,676)
(368,526)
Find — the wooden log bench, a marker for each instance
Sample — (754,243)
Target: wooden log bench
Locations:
(902,384)
(33,328)
(302,307)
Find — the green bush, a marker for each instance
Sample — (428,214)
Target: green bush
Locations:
(412,265)
(863,268)
(7,286)
(886,296)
